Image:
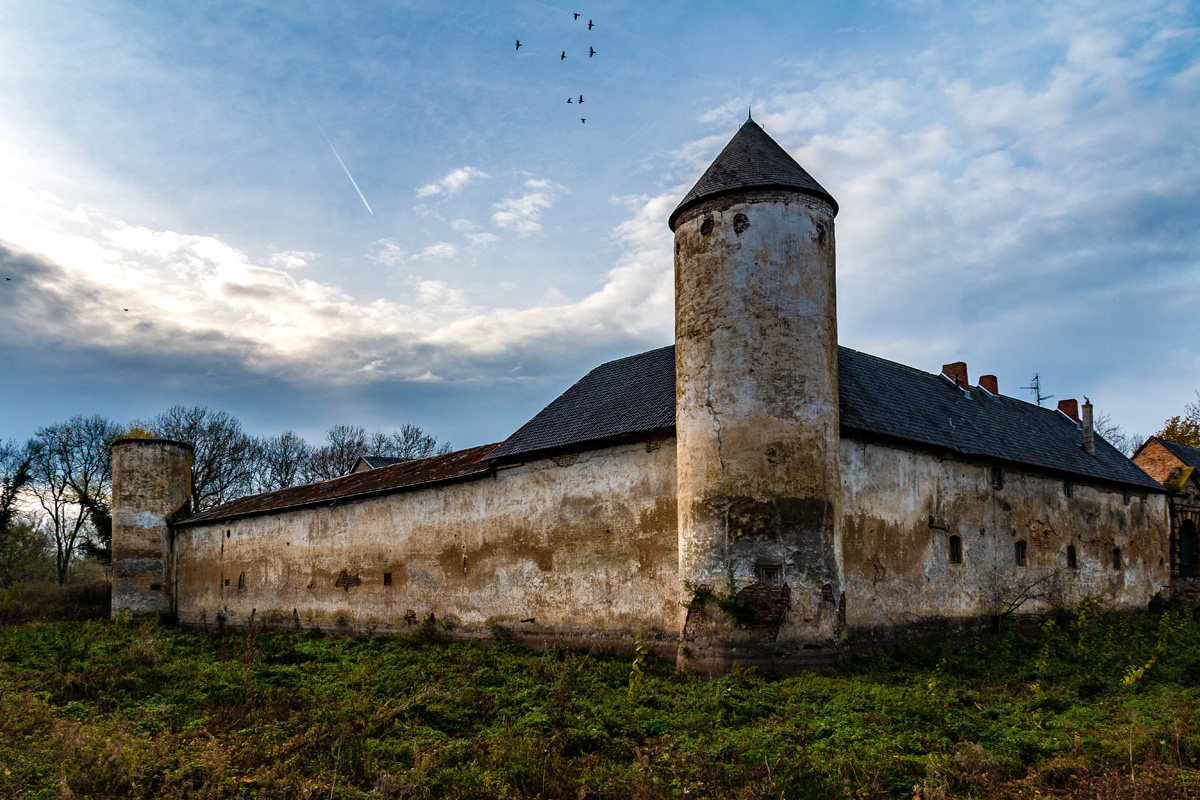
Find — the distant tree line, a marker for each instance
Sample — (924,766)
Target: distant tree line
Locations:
(56,488)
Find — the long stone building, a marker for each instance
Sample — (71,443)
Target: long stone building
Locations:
(754,494)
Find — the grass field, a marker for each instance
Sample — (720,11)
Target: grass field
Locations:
(1095,706)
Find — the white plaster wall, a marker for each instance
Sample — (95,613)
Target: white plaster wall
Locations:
(897,564)
(584,544)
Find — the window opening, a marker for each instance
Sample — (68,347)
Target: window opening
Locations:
(1125,496)
(1116,558)
(387,579)
(1020,553)
(1072,563)
(997,477)
(1189,550)
(1068,489)
(241,581)
(769,574)
(955,549)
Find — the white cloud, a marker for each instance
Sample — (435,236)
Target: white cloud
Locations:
(452,183)
(523,214)
(439,250)
(387,252)
(482,238)
(292,259)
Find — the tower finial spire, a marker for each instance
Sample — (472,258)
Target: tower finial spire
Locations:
(749,114)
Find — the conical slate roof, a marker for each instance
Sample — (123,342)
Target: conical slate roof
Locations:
(751,160)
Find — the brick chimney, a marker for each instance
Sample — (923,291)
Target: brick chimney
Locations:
(1089,432)
(1070,408)
(989,382)
(956,372)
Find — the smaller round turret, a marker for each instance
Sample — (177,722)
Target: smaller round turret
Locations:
(152,481)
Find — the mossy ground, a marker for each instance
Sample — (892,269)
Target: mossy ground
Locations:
(108,709)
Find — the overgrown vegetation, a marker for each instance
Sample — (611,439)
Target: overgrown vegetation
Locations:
(1095,705)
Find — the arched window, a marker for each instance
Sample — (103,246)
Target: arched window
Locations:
(955,549)
(1116,558)
(1072,562)
(1189,550)
(1020,553)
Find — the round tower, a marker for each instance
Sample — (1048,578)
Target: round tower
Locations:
(152,481)
(759,489)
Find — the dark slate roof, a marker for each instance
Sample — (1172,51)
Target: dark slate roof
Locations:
(751,160)
(632,395)
(1188,455)
(636,395)
(459,465)
(883,397)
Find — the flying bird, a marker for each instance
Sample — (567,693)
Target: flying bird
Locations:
(584,121)
(564,55)
(576,16)
(569,100)
(518,44)
(589,24)
(592,53)
(581,98)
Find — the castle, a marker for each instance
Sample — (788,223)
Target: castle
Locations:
(753,495)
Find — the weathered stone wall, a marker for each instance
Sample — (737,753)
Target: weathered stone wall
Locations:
(579,548)
(151,483)
(757,408)
(903,505)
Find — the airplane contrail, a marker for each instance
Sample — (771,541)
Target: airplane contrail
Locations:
(348,175)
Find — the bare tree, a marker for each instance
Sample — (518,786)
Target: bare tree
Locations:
(1112,432)
(282,461)
(345,444)
(223,455)
(15,474)
(65,518)
(410,442)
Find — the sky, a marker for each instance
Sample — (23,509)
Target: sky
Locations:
(378,213)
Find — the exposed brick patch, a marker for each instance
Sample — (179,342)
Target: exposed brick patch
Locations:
(1157,461)
(767,605)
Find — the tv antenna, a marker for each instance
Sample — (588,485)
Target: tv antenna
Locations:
(1035,386)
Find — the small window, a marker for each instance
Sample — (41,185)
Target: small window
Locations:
(1068,489)
(1072,563)
(769,574)
(1125,496)
(955,549)
(226,534)
(241,581)
(997,477)
(1019,552)
(227,581)
(1116,558)
(156,587)
(387,579)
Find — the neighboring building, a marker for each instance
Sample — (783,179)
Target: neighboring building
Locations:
(1177,467)
(365,463)
(753,494)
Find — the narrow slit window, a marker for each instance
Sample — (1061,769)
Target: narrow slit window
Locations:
(1068,489)
(387,579)
(1116,558)
(956,549)
(1019,552)
(997,477)
(1072,561)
